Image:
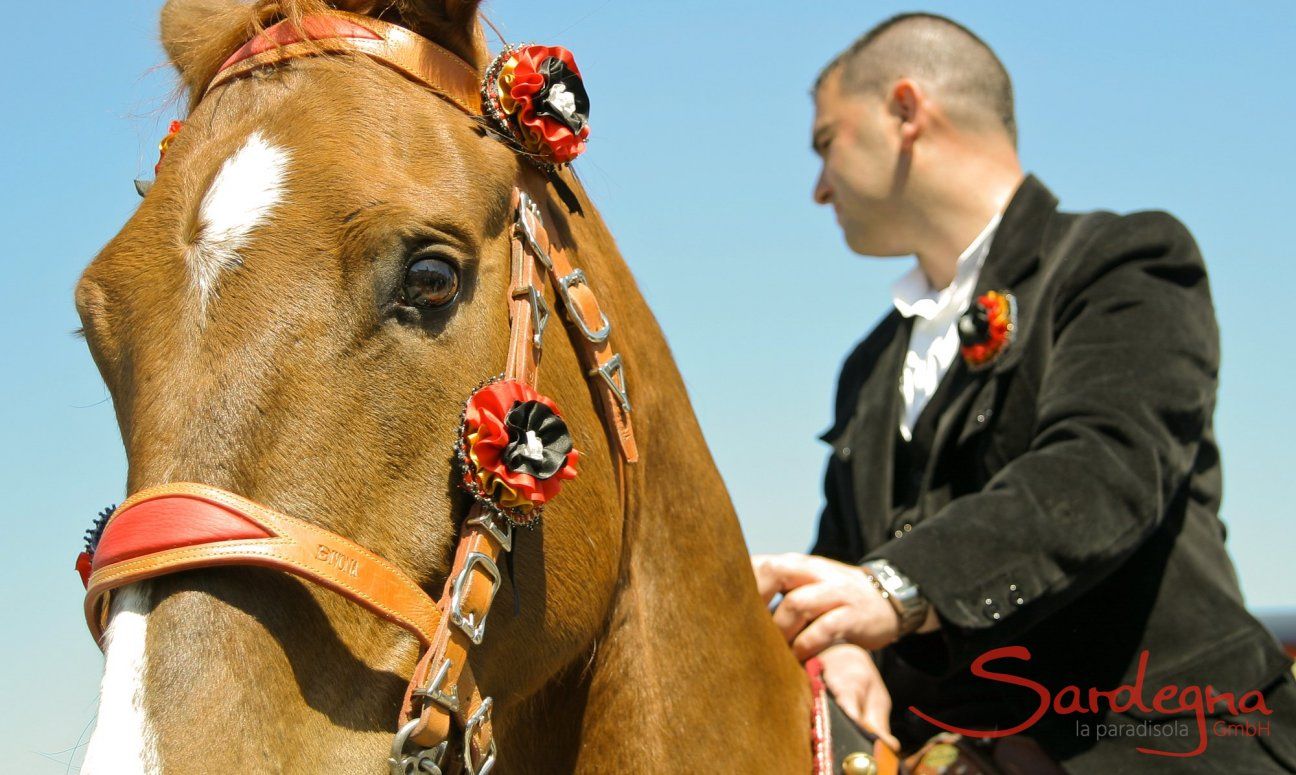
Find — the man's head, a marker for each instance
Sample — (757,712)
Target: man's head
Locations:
(913,112)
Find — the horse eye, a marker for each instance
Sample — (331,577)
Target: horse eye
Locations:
(430,283)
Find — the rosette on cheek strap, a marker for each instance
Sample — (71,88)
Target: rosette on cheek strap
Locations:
(535,94)
(514,450)
(172,131)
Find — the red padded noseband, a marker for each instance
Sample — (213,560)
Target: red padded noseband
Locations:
(170,523)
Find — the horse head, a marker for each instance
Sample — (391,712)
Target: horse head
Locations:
(314,285)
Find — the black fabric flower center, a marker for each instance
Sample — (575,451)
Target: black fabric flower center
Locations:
(974,326)
(538,440)
(563,97)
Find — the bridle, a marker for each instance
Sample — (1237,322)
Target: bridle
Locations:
(444,722)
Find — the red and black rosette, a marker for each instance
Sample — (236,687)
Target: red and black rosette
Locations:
(172,131)
(514,450)
(536,96)
(987,328)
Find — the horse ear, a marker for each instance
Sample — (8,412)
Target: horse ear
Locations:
(198,34)
(449,23)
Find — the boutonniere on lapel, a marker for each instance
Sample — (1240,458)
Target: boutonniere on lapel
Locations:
(987,328)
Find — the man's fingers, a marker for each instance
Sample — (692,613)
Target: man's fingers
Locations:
(803,605)
(877,713)
(766,580)
(777,573)
(848,670)
(869,707)
(851,705)
(848,690)
(823,632)
(857,686)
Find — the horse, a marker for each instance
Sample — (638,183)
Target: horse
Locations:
(253,324)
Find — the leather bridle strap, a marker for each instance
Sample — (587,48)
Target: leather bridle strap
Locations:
(454,80)
(339,32)
(185,526)
(182,526)
(444,677)
(586,316)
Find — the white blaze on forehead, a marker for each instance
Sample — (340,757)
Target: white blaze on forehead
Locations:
(248,185)
(122,743)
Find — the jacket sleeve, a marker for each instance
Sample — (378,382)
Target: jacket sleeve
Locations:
(1128,388)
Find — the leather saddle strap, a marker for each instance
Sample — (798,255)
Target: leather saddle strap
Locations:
(335,32)
(886,759)
(181,526)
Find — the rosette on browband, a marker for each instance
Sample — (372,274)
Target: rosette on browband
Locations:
(535,95)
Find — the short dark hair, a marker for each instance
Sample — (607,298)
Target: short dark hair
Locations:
(938,52)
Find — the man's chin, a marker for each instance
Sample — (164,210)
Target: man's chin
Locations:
(864,246)
(861,245)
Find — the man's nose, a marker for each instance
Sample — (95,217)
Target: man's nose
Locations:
(822,193)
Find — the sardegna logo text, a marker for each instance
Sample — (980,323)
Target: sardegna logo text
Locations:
(1170,700)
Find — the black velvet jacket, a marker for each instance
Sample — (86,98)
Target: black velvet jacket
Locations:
(1069,501)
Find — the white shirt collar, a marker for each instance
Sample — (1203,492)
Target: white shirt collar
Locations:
(914,295)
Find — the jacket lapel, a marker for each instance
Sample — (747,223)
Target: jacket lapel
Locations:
(1014,256)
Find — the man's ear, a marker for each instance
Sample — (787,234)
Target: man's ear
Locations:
(199,34)
(908,103)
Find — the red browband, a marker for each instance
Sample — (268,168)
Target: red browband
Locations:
(310,28)
(338,32)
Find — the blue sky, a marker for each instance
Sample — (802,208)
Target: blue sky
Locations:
(700,162)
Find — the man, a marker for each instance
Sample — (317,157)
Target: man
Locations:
(1023,452)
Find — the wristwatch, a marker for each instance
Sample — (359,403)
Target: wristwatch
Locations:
(902,593)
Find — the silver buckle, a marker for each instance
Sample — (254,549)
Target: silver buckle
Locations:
(475,629)
(577,277)
(488,523)
(425,761)
(539,312)
(528,207)
(613,375)
(474,721)
(434,692)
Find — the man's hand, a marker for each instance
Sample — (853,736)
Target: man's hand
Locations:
(824,602)
(855,682)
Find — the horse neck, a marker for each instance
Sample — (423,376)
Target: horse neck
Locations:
(690,667)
